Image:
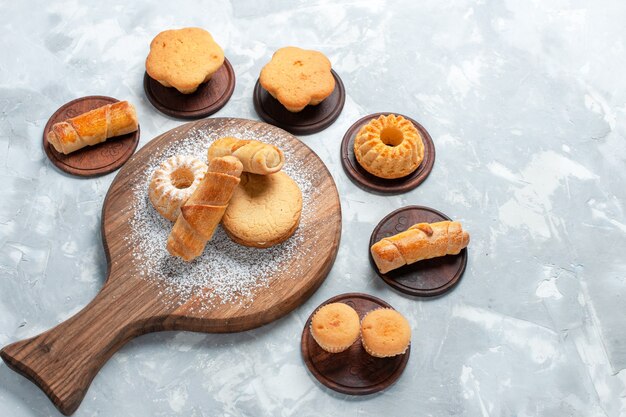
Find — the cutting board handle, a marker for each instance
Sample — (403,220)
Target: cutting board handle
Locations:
(64,360)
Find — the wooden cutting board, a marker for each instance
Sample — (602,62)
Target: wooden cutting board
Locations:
(64,360)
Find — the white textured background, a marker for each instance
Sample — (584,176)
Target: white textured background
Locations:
(526,103)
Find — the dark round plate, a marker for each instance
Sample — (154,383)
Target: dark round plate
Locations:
(352,371)
(90,161)
(425,278)
(206,100)
(372,183)
(311,119)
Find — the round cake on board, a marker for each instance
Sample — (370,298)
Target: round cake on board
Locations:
(264,210)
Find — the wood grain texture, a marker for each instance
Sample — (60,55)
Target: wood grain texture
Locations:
(206,100)
(64,360)
(90,161)
(425,278)
(372,183)
(352,371)
(311,119)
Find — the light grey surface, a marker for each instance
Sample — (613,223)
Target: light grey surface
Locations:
(526,103)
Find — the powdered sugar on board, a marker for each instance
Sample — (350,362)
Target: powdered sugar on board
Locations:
(226,272)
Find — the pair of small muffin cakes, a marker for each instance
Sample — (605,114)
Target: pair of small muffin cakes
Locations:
(242,186)
(384,332)
(185,58)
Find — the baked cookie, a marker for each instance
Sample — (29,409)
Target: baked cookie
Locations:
(298,77)
(264,210)
(184,58)
(389,147)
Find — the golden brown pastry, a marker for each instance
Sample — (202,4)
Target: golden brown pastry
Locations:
(256,157)
(298,78)
(420,241)
(203,211)
(264,211)
(184,58)
(389,147)
(93,127)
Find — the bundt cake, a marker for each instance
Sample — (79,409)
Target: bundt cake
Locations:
(389,147)
(174,182)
